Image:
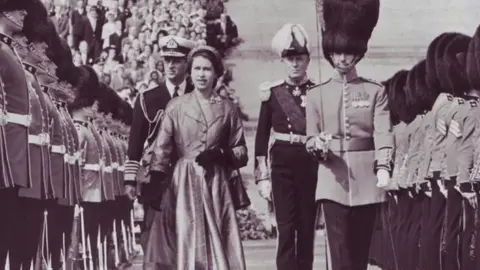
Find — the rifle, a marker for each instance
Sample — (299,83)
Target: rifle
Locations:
(73,250)
(115,242)
(100,250)
(89,244)
(84,246)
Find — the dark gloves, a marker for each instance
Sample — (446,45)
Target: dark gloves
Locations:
(210,157)
(152,193)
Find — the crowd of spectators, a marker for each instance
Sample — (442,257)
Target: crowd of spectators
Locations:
(119,38)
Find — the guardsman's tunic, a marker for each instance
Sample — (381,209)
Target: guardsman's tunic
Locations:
(108,183)
(18,113)
(354,111)
(115,159)
(91,184)
(464,128)
(57,148)
(39,143)
(293,170)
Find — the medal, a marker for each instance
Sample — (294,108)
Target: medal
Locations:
(304,100)
(296,92)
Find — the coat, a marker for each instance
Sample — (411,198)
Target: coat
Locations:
(108,181)
(39,140)
(91,184)
(16,92)
(196,208)
(355,112)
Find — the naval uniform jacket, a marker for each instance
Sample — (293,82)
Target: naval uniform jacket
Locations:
(17,108)
(91,184)
(354,110)
(147,108)
(283,110)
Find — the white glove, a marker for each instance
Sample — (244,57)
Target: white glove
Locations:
(265,189)
(383,178)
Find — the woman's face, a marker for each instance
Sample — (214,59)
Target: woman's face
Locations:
(202,73)
(154,76)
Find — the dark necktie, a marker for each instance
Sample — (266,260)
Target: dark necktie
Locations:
(175,91)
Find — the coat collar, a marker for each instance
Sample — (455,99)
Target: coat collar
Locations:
(194,111)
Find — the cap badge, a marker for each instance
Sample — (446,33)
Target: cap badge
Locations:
(172,44)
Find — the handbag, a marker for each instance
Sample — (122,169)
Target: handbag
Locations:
(238,192)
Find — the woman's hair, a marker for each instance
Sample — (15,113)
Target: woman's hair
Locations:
(209,53)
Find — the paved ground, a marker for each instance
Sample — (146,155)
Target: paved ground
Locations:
(261,256)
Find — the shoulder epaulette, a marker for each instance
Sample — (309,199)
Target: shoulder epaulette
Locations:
(371,81)
(265,89)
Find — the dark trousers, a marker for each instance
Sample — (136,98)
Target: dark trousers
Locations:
(60,222)
(413,233)
(93,214)
(452,230)
(402,239)
(294,180)
(8,198)
(28,224)
(469,237)
(432,237)
(424,253)
(349,232)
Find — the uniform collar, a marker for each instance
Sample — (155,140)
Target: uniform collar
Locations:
(347,77)
(304,81)
(29,68)
(171,87)
(7,40)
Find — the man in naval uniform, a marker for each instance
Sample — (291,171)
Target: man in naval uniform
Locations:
(147,111)
(293,171)
(16,100)
(349,129)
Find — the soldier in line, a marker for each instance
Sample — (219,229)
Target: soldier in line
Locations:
(292,186)
(16,106)
(32,214)
(461,189)
(470,221)
(147,111)
(350,131)
(91,176)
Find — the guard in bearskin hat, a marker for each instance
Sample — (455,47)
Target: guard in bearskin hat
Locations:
(15,122)
(473,76)
(462,189)
(383,251)
(348,143)
(292,180)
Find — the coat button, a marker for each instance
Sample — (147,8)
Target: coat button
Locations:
(289,126)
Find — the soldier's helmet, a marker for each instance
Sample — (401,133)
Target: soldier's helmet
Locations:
(11,5)
(454,65)
(62,57)
(419,95)
(473,61)
(291,39)
(348,26)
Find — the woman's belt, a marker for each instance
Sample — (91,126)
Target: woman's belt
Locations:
(352,144)
(292,138)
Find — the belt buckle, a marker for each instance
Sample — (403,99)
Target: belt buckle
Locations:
(294,138)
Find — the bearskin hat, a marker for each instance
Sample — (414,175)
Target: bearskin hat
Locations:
(62,57)
(39,31)
(453,64)
(37,15)
(434,66)
(348,26)
(86,85)
(62,91)
(473,61)
(397,100)
(10,5)
(419,94)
